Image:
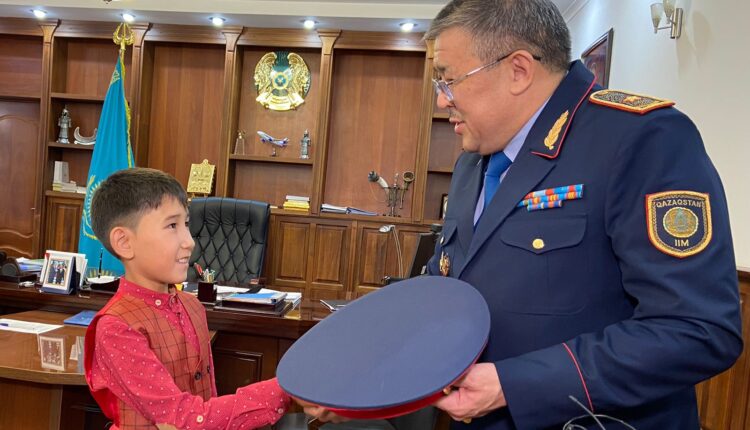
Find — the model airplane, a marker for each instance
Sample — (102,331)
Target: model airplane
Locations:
(267,138)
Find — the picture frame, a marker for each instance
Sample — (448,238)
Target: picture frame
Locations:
(62,272)
(57,272)
(598,57)
(52,352)
(443,206)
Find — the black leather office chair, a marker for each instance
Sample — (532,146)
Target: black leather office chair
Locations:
(230,238)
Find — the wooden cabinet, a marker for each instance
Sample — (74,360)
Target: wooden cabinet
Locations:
(63,219)
(724,400)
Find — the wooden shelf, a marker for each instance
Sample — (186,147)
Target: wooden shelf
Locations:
(72,146)
(19,97)
(269,159)
(73,196)
(77,97)
(440,170)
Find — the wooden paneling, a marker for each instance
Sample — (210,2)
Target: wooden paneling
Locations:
(290,124)
(437,185)
(445,146)
(291,246)
(16,396)
(18,136)
(374,124)
(185,106)
(330,255)
(21,65)
(63,219)
(724,400)
(241,360)
(85,66)
(270,182)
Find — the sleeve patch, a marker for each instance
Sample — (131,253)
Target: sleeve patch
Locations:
(629,102)
(679,222)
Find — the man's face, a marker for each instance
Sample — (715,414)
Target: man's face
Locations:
(480,108)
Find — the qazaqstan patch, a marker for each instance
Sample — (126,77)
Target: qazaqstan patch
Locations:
(679,222)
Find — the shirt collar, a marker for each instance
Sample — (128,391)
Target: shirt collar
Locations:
(515,144)
(150,297)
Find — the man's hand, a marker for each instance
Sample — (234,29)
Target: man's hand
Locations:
(320,413)
(476,394)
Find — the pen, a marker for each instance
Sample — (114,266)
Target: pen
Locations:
(101,254)
(198,269)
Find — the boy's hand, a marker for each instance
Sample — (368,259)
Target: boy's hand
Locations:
(320,413)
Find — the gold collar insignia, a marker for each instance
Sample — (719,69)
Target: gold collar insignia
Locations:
(554,132)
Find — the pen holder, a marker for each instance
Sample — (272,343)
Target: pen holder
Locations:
(206,292)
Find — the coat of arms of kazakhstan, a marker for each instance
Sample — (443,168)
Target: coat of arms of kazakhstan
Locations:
(282,80)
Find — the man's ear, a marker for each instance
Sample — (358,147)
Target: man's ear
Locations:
(524,68)
(120,240)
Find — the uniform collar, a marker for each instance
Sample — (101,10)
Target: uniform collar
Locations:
(548,134)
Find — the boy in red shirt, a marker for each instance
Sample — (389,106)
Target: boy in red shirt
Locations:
(148,359)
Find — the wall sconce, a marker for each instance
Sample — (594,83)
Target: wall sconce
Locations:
(673,14)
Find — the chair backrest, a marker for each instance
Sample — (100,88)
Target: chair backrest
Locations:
(230,237)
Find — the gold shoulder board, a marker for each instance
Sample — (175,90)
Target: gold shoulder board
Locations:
(629,102)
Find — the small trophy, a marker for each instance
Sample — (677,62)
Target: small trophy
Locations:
(304,150)
(239,143)
(64,122)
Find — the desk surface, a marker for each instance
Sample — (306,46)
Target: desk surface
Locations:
(21,357)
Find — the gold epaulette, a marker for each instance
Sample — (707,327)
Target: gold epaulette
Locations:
(629,102)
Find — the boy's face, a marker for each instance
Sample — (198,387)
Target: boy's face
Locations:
(161,246)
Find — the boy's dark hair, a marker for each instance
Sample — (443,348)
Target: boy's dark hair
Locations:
(125,196)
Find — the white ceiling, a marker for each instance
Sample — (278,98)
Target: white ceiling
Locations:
(363,15)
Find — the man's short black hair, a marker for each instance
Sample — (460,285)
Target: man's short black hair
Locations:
(126,195)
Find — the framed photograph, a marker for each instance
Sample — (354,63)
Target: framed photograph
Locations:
(443,206)
(52,352)
(57,272)
(598,57)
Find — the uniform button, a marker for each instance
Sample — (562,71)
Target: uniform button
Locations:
(158,302)
(197,376)
(199,419)
(537,243)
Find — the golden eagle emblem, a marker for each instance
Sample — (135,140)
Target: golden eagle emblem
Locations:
(282,80)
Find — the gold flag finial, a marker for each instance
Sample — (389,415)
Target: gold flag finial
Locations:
(123,36)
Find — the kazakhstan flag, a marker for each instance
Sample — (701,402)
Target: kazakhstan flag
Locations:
(112,152)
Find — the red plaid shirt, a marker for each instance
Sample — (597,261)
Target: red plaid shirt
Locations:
(124,363)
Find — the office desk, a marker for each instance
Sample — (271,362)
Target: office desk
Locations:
(31,394)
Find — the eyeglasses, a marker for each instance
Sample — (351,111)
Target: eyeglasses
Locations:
(444,87)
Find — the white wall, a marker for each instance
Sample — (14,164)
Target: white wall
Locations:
(706,72)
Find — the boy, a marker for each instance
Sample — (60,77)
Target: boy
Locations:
(148,359)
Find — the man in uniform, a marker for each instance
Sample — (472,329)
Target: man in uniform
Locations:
(593,223)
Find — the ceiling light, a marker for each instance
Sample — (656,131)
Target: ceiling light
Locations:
(309,24)
(128,17)
(407,26)
(217,21)
(39,13)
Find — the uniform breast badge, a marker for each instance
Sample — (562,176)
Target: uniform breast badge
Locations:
(629,102)
(445,264)
(679,222)
(282,80)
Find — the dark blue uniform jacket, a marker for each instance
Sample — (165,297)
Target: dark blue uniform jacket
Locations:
(598,312)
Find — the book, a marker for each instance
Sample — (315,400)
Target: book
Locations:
(325,207)
(82,318)
(334,305)
(262,297)
(298,198)
(278,309)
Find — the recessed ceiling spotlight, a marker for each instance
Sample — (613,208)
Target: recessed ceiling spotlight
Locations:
(217,21)
(129,18)
(407,26)
(309,24)
(39,13)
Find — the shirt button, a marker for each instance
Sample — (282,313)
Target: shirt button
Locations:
(280,411)
(199,419)
(158,302)
(197,376)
